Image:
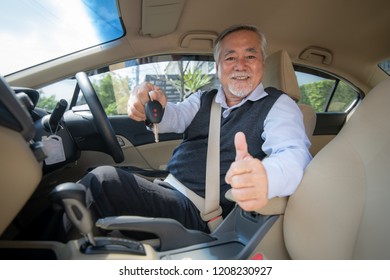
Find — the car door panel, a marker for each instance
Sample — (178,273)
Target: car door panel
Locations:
(140,143)
(327,127)
(329,123)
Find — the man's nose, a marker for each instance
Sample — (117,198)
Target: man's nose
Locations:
(241,64)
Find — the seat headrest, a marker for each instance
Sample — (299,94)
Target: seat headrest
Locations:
(279,73)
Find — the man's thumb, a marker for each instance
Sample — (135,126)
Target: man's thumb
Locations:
(241,146)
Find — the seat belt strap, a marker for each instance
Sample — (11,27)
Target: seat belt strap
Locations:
(209,207)
(196,199)
(213,186)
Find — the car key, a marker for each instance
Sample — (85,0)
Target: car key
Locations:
(154,113)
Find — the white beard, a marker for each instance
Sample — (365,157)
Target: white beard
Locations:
(240,91)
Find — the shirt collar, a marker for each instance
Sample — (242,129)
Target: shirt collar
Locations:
(257,94)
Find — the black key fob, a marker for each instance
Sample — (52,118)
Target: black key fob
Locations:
(154,111)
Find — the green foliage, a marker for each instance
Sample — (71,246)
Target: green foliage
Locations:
(47,103)
(317,94)
(113,92)
(195,79)
(343,98)
(190,80)
(105,91)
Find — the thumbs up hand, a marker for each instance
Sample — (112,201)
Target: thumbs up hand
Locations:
(247,177)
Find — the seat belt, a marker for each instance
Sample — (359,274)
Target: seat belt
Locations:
(209,207)
(212,195)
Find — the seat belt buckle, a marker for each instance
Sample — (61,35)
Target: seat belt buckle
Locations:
(212,218)
(214,223)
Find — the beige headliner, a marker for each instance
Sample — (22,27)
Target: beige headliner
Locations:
(356,33)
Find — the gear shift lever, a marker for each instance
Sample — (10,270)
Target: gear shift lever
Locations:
(72,197)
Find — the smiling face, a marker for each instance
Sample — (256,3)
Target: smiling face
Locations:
(240,65)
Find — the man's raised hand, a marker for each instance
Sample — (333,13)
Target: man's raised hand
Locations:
(247,177)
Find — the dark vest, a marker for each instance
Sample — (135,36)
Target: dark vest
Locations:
(188,163)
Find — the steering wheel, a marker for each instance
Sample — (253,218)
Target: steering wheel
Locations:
(100,118)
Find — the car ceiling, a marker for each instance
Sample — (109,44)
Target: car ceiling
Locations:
(354,33)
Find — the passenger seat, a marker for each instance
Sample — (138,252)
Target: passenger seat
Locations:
(279,73)
(341,208)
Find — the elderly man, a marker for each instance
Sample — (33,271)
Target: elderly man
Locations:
(263,145)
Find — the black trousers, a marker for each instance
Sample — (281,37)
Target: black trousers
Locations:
(116,192)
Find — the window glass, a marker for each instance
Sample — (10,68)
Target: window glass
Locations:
(344,98)
(36,31)
(385,66)
(315,90)
(181,75)
(177,75)
(51,94)
(324,92)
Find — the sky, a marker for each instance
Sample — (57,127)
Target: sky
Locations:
(34,31)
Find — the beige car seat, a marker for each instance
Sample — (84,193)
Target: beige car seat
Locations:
(279,73)
(20,172)
(341,209)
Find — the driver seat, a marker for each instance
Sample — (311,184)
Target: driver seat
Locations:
(341,208)
(16,133)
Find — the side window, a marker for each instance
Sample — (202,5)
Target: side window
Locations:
(385,65)
(179,76)
(324,92)
(343,99)
(51,94)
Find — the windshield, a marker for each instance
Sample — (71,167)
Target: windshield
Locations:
(36,31)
